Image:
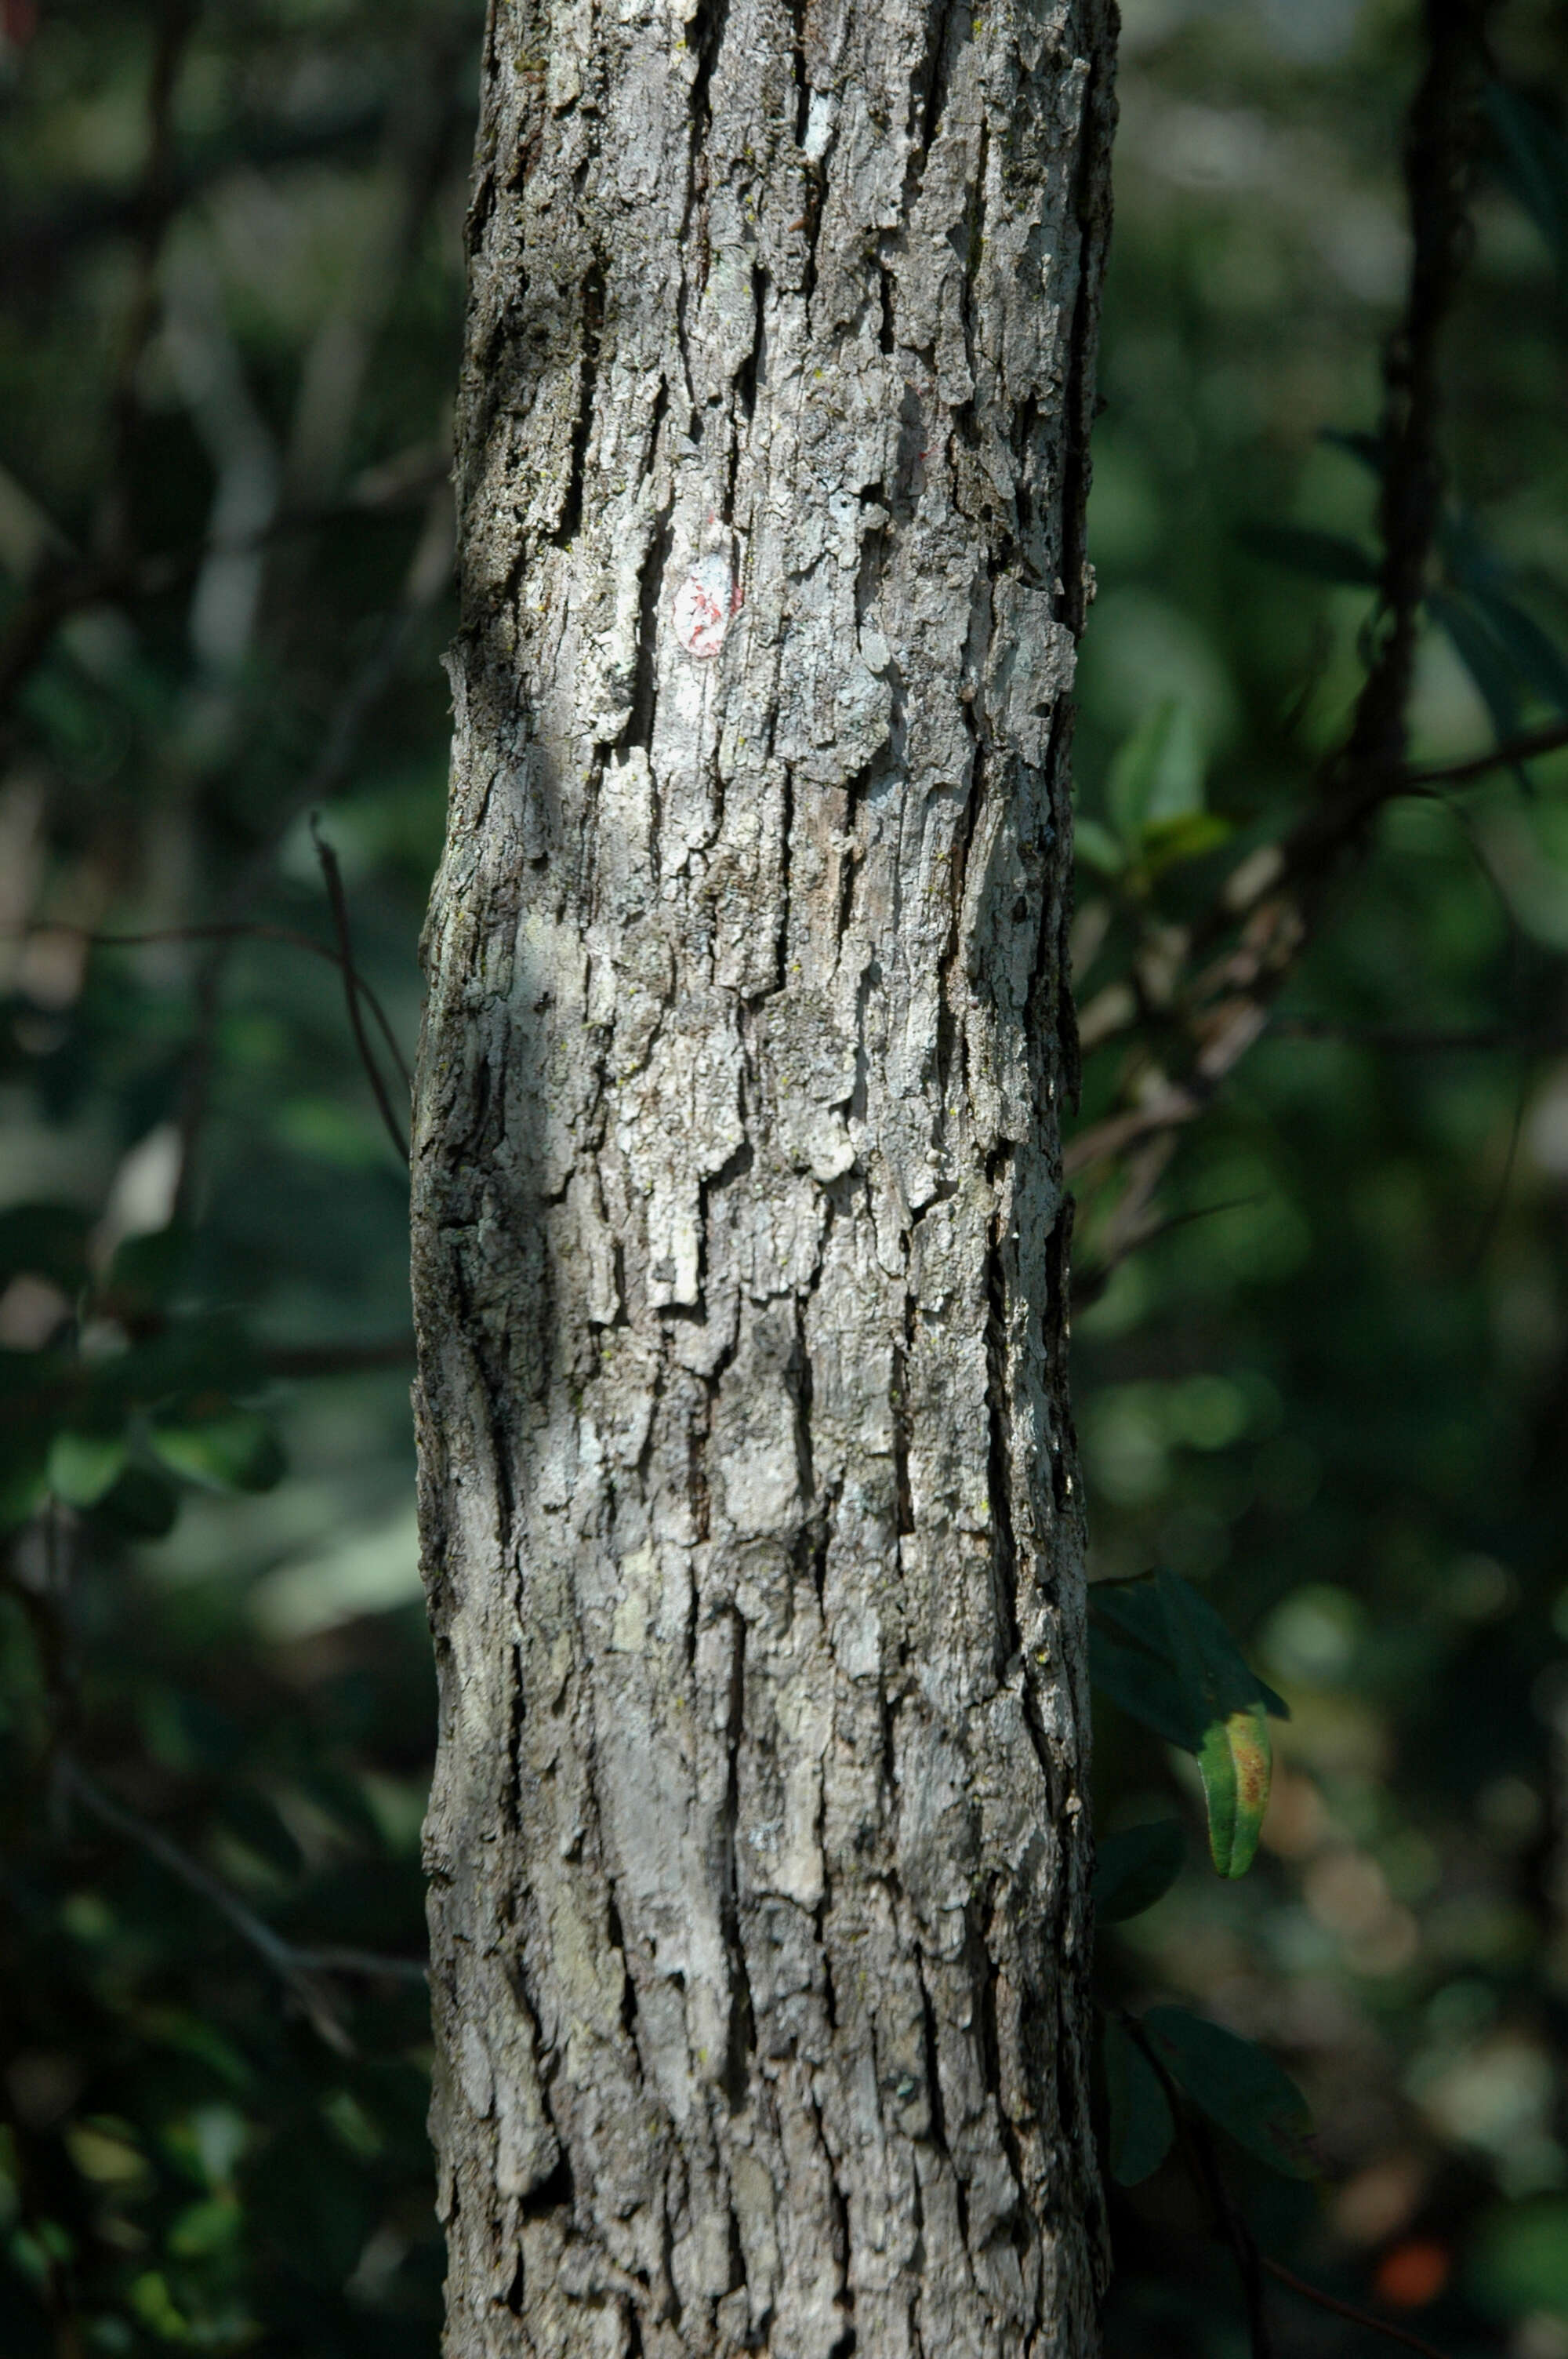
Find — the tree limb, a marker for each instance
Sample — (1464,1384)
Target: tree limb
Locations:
(300,1970)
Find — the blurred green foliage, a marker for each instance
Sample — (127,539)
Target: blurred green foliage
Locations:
(1331,1388)
(1327,1387)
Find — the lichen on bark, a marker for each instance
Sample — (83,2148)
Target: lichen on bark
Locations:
(757,1844)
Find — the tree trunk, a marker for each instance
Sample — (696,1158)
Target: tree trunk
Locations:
(757,1842)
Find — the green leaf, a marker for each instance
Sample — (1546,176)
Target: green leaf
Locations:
(1133,1610)
(1477,649)
(1135,1869)
(155,2306)
(1526,646)
(206,1354)
(227,1449)
(1228,1700)
(1097,846)
(1167,842)
(45,1241)
(1232,1669)
(1159,1649)
(146,1271)
(24,1469)
(1143,1683)
(1532,166)
(1236,1762)
(1140,2123)
(83,1466)
(1303,549)
(1131,1661)
(205,2226)
(1240,2089)
(1158,773)
(190,2034)
(142,1505)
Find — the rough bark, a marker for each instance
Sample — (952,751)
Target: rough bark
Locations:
(758,1843)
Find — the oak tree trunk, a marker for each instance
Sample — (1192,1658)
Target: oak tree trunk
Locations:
(758,1845)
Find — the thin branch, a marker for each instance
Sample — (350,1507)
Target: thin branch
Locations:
(36,241)
(60,593)
(1203,2169)
(300,1970)
(157,201)
(298,1363)
(1281,897)
(1238,2236)
(333,875)
(1530,746)
(373,1965)
(239,933)
(67,585)
(1348,2310)
(288,1362)
(1485,1040)
(1091,1285)
(1491,1220)
(1168,1110)
(428,574)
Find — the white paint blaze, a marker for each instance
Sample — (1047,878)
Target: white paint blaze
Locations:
(704,606)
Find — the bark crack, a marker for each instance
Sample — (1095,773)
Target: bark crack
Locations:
(742,2041)
(592,330)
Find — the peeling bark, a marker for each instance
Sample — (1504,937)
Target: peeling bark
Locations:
(758,1845)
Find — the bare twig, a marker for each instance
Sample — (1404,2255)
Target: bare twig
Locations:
(1089,1285)
(68,584)
(300,1970)
(298,1363)
(428,574)
(1348,2310)
(1530,746)
(1203,2168)
(1486,1039)
(333,876)
(156,204)
(1225,1007)
(242,933)
(288,1362)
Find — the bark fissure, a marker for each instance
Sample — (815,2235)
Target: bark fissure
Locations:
(756,1844)
(570,523)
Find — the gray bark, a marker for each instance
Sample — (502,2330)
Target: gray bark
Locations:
(758,1845)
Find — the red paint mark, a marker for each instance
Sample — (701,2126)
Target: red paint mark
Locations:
(704,605)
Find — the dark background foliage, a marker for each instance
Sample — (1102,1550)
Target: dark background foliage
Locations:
(1322,1351)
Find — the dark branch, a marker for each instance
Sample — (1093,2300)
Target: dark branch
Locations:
(1530,746)
(300,1362)
(158,200)
(1281,898)
(300,1970)
(67,585)
(333,876)
(1348,2310)
(259,933)
(1203,2168)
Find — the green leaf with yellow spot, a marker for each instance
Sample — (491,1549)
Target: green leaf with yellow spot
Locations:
(1235,1762)
(1229,1705)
